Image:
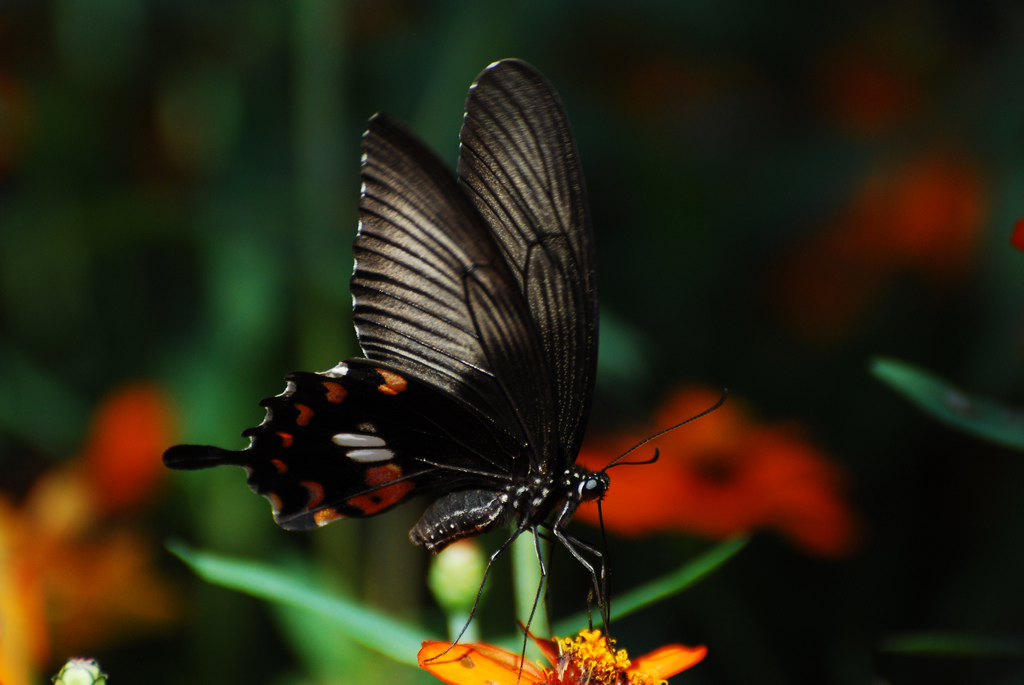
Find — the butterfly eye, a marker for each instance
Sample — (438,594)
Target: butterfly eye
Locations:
(592,488)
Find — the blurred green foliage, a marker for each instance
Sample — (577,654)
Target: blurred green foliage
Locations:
(178,191)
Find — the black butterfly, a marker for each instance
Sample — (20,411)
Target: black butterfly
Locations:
(475,303)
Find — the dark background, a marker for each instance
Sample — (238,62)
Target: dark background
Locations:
(780,192)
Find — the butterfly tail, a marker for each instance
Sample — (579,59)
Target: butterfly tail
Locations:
(192,457)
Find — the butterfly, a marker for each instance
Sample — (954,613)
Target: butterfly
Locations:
(475,305)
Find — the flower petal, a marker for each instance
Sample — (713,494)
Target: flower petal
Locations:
(549,648)
(477,664)
(725,475)
(666,661)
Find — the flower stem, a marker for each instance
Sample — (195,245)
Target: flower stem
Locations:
(526,580)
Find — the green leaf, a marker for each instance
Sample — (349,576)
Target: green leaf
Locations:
(685,576)
(973,414)
(956,645)
(526,580)
(379,632)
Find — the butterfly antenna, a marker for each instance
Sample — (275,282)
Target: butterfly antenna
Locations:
(618,460)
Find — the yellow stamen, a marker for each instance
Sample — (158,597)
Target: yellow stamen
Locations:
(595,657)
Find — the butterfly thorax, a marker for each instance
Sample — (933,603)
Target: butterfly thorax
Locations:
(528,501)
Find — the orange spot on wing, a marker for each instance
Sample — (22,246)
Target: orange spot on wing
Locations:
(279,465)
(326,515)
(305,414)
(379,475)
(275,503)
(385,495)
(335,393)
(393,383)
(286,439)
(316,493)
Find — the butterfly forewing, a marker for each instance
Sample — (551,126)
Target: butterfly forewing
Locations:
(424,261)
(519,164)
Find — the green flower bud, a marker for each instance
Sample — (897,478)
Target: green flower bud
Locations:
(455,576)
(80,672)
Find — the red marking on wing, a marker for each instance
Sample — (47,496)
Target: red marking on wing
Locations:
(386,495)
(286,439)
(305,414)
(393,383)
(335,392)
(279,465)
(316,493)
(379,475)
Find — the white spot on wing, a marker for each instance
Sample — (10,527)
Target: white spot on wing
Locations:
(356,440)
(340,370)
(370,455)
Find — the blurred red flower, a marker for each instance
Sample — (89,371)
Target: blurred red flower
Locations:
(128,429)
(75,573)
(1017,239)
(924,216)
(867,93)
(722,475)
(15,122)
(587,659)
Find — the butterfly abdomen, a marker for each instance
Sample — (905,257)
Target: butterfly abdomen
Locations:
(465,513)
(458,515)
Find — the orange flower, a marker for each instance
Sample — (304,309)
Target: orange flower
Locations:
(722,475)
(129,428)
(72,576)
(588,659)
(924,215)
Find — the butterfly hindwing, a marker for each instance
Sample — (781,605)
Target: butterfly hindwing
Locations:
(353,442)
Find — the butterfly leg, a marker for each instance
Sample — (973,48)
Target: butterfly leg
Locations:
(600,590)
(569,541)
(574,545)
(543,579)
(483,582)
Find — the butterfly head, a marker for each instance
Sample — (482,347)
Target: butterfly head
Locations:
(589,486)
